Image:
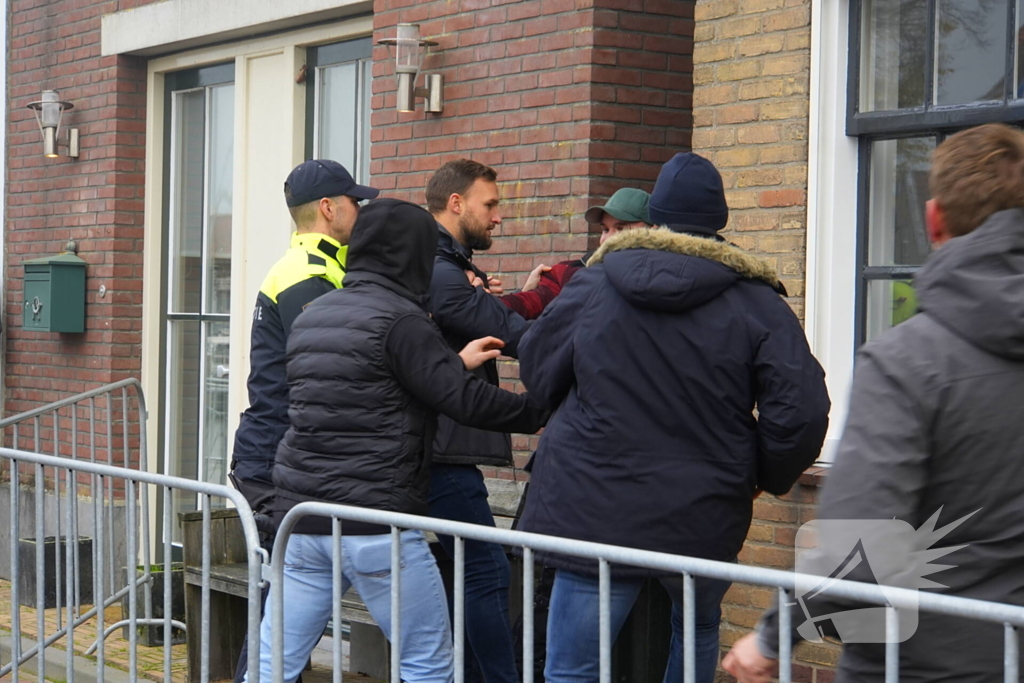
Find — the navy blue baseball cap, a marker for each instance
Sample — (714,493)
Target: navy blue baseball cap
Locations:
(317,178)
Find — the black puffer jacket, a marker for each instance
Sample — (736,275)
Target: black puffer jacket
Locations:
(464,313)
(368,372)
(656,356)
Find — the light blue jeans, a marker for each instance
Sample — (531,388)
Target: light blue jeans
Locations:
(426,643)
(573,637)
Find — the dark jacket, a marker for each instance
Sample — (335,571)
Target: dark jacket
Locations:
(368,372)
(464,313)
(935,423)
(312,266)
(656,356)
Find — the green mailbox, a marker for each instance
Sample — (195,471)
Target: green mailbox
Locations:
(54,294)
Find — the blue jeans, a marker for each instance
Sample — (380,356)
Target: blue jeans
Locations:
(457,492)
(573,633)
(426,644)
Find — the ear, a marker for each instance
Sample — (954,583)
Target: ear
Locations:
(935,223)
(455,203)
(326,209)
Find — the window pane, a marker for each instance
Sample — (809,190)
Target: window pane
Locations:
(215,403)
(893,42)
(898,192)
(970,51)
(182,426)
(218,227)
(889,303)
(188,175)
(339,101)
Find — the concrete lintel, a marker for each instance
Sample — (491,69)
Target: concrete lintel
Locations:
(176,25)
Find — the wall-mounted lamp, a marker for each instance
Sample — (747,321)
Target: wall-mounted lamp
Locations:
(408,49)
(49,111)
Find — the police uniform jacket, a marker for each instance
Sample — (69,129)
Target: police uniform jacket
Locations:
(312,266)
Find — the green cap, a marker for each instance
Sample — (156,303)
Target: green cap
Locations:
(628,204)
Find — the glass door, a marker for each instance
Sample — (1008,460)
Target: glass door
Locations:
(199,151)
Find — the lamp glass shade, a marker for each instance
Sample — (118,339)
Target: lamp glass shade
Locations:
(408,49)
(49,115)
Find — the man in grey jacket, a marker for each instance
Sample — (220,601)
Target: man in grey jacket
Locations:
(936,421)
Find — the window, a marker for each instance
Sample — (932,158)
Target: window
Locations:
(920,70)
(196,291)
(339,81)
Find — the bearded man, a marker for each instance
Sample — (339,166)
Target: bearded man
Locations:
(463,198)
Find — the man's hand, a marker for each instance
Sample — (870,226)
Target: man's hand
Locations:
(494,286)
(747,664)
(479,351)
(534,279)
(474,279)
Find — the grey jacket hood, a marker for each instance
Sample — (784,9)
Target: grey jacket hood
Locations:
(974,285)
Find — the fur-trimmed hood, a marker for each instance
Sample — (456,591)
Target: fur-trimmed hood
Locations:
(659,269)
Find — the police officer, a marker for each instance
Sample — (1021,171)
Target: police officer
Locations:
(323,200)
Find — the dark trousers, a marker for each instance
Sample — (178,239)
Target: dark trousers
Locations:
(457,492)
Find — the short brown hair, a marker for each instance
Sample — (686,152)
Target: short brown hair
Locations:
(976,173)
(455,177)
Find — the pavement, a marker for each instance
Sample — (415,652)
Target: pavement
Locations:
(116,650)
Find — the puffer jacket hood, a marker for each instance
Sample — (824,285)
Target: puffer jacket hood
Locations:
(395,241)
(974,285)
(661,270)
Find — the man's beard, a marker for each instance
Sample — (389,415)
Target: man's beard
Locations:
(476,235)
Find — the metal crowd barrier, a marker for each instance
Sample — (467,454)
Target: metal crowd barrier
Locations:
(1011,616)
(109,488)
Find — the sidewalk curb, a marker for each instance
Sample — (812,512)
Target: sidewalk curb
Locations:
(56,661)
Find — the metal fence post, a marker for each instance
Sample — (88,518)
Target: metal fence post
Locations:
(528,615)
(604,620)
(396,604)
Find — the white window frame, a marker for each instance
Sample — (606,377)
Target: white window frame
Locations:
(830,305)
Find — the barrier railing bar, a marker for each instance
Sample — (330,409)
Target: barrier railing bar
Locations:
(604,619)
(204,620)
(1011,654)
(40,566)
(785,638)
(13,420)
(132,582)
(460,609)
(15,562)
(167,581)
(396,604)
(670,564)
(72,576)
(528,615)
(338,591)
(689,629)
(892,645)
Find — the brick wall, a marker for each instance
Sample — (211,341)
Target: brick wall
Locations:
(97,200)
(751,102)
(568,99)
(751,84)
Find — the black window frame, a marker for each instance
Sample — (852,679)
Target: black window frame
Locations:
(348,50)
(929,120)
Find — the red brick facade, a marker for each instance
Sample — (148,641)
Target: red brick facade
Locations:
(97,201)
(568,99)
